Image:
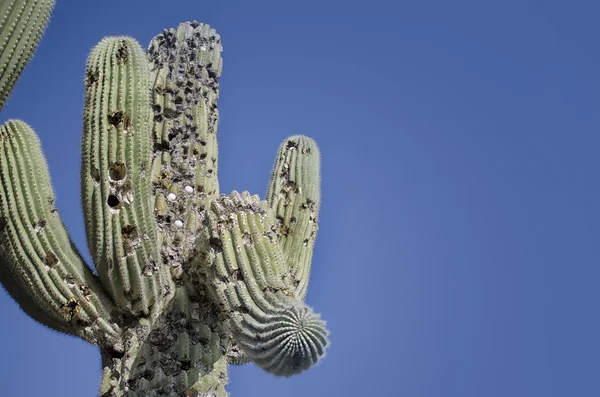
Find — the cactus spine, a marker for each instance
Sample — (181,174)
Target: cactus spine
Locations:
(189,280)
(21,26)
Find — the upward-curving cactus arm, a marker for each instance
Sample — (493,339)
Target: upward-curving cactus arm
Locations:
(294,195)
(115,177)
(22,23)
(39,265)
(252,281)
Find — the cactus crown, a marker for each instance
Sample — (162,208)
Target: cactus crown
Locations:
(187,279)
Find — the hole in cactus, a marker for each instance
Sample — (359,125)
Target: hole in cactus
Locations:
(216,244)
(185,364)
(86,292)
(237,275)
(149,270)
(119,117)
(71,308)
(211,72)
(115,353)
(129,235)
(50,260)
(113,202)
(122,51)
(247,239)
(96,176)
(129,231)
(291,145)
(117,171)
(171,113)
(3,223)
(92,77)
(39,225)
(83,323)
(161,146)
(70,281)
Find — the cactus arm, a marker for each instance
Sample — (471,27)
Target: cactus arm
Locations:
(185,63)
(22,23)
(294,196)
(115,175)
(39,265)
(251,279)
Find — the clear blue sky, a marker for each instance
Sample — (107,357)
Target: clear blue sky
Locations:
(458,254)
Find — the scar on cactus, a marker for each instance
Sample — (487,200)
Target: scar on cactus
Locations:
(187,280)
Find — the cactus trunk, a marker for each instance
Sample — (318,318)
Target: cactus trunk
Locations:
(171,358)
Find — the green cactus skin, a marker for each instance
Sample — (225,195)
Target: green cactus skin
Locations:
(115,177)
(252,280)
(22,23)
(39,266)
(189,281)
(294,195)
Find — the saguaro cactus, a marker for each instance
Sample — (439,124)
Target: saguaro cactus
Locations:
(188,280)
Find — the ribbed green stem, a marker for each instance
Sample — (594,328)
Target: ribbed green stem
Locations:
(22,23)
(251,278)
(115,177)
(40,267)
(294,196)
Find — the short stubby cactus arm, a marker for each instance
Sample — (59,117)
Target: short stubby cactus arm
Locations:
(294,195)
(115,177)
(252,281)
(39,266)
(22,23)
(185,66)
